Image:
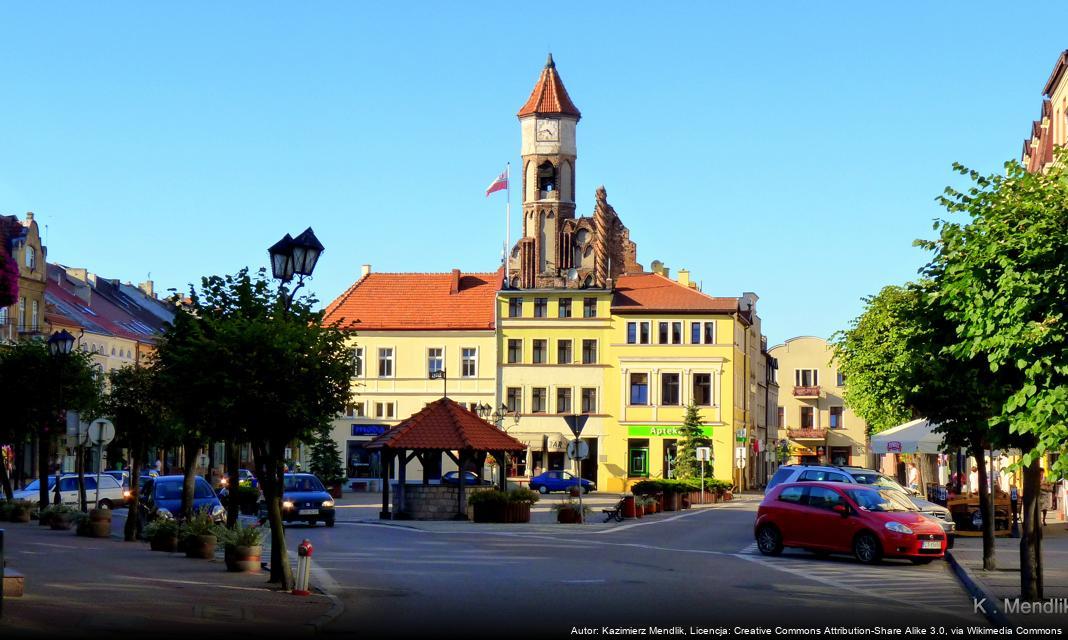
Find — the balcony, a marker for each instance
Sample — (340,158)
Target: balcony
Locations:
(811,391)
(807,434)
(29,329)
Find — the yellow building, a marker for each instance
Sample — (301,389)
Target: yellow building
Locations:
(25,318)
(404,327)
(812,415)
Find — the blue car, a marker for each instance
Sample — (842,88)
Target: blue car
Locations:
(452,478)
(559,481)
(305,499)
(161,497)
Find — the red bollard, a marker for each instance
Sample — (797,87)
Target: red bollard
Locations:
(304,553)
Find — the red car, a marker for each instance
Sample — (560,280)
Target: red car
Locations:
(830,517)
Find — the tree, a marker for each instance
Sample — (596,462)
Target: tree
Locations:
(326,458)
(36,389)
(135,405)
(693,436)
(1004,276)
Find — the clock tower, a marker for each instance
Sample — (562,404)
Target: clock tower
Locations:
(548,121)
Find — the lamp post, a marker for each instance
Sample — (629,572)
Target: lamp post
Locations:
(295,257)
(60,344)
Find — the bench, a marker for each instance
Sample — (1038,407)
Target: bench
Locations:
(615,512)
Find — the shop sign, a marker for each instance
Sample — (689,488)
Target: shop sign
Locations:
(368,429)
(798,450)
(661,431)
(893,446)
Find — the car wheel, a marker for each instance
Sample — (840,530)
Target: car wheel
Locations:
(104,504)
(769,540)
(330,522)
(922,560)
(585,489)
(543,490)
(866,548)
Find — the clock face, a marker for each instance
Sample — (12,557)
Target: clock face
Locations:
(548,130)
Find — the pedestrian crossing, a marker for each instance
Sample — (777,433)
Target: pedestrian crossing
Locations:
(932,587)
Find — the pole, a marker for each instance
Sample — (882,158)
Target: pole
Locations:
(99,460)
(702,482)
(507,219)
(578,481)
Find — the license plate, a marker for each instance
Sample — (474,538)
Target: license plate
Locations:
(315,512)
(927,544)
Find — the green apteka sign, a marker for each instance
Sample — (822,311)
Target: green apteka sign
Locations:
(661,431)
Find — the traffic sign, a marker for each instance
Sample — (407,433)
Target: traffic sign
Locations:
(578,450)
(101,432)
(704,453)
(576,422)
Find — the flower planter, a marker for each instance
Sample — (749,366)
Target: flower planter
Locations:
(60,522)
(672,501)
(727,495)
(20,514)
(686,502)
(660,500)
(200,547)
(240,559)
(568,516)
(518,512)
(164,543)
(490,512)
(639,511)
(99,523)
(628,506)
(335,490)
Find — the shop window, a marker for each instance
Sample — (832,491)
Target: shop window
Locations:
(638,458)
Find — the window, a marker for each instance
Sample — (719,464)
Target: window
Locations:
(3,315)
(676,333)
(638,458)
(469,362)
(695,333)
(710,333)
(639,388)
(385,410)
(702,389)
(644,331)
(435,360)
(589,307)
(357,362)
(33,316)
(537,400)
(22,312)
(541,307)
(806,377)
(792,495)
(669,388)
(632,333)
(840,379)
(385,362)
(31,258)
(354,410)
(540,351)
(515,307)
(815,475)
(808,420)
(563,400)
(780,418)
(514,399)
(515,350)
(563,352)
(589,401)
(589,352)
(662,333)
(836,418)
(564,310)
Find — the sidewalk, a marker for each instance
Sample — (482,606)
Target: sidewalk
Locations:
(1004,582)
(97,587)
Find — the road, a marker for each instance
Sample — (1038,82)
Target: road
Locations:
(697,567)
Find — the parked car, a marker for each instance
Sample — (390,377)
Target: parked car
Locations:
(111,492)
(161,497)
(470,479)
(559,481)
(835,517)
(860,475)
(305,499)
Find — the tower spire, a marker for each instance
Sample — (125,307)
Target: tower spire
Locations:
(549,64)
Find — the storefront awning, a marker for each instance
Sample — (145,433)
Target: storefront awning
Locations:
(917,436)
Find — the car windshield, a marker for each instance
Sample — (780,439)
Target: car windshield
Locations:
(877,480)
(303,483)
(172,490)
(884,500)
(33,486)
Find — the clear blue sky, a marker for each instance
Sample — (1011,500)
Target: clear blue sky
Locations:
(791,149)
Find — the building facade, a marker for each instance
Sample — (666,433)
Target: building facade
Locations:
(26,318)
(813,420)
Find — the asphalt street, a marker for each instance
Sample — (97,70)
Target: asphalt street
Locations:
(697,567)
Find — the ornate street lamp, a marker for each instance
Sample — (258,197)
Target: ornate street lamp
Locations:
(60,343)
(306,250)
(281,254)
(295,257)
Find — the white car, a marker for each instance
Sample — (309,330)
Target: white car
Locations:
(112,495)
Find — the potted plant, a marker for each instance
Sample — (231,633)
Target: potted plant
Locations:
(20,511)
(100,522)
(628,506)
(248,499)
(568,512)
(199,534)
(162,534)
(519,502)
(244,545)
(60,516)
(490,505)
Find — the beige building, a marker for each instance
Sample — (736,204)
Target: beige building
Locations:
(813,418)
(25,318)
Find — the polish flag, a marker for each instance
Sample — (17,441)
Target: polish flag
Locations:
(500,182)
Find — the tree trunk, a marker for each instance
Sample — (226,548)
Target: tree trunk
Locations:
(42,467)
(233,481)
(132,530)
(190,450)
(986,509)
(1030,534)
(273,481)
(5,480)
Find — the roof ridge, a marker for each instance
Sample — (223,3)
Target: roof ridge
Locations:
(694,289)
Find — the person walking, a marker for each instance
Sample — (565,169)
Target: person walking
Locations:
(1045,499)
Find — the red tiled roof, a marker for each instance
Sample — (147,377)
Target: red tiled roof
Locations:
(549,95)
(649,292)
(446,425)
(417,302)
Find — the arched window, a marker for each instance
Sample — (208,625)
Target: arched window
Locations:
(546,178)
(31,258)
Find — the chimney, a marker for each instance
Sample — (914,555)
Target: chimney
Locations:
(454,282)
(684,278)
(148,287)
(29,218)
(365,270)
(659,268)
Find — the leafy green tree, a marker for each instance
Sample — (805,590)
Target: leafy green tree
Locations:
(693,436)
(36,389)
(326,458)
(1003,274)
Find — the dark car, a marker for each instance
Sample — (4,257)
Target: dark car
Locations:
(305,499)
(559,481)
(162,497)
(470,479)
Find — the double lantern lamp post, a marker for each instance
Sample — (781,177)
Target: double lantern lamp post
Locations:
(295,257)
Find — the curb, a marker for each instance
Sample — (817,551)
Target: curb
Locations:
(979,591)
(335,611)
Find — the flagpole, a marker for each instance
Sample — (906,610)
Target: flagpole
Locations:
(507,220)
